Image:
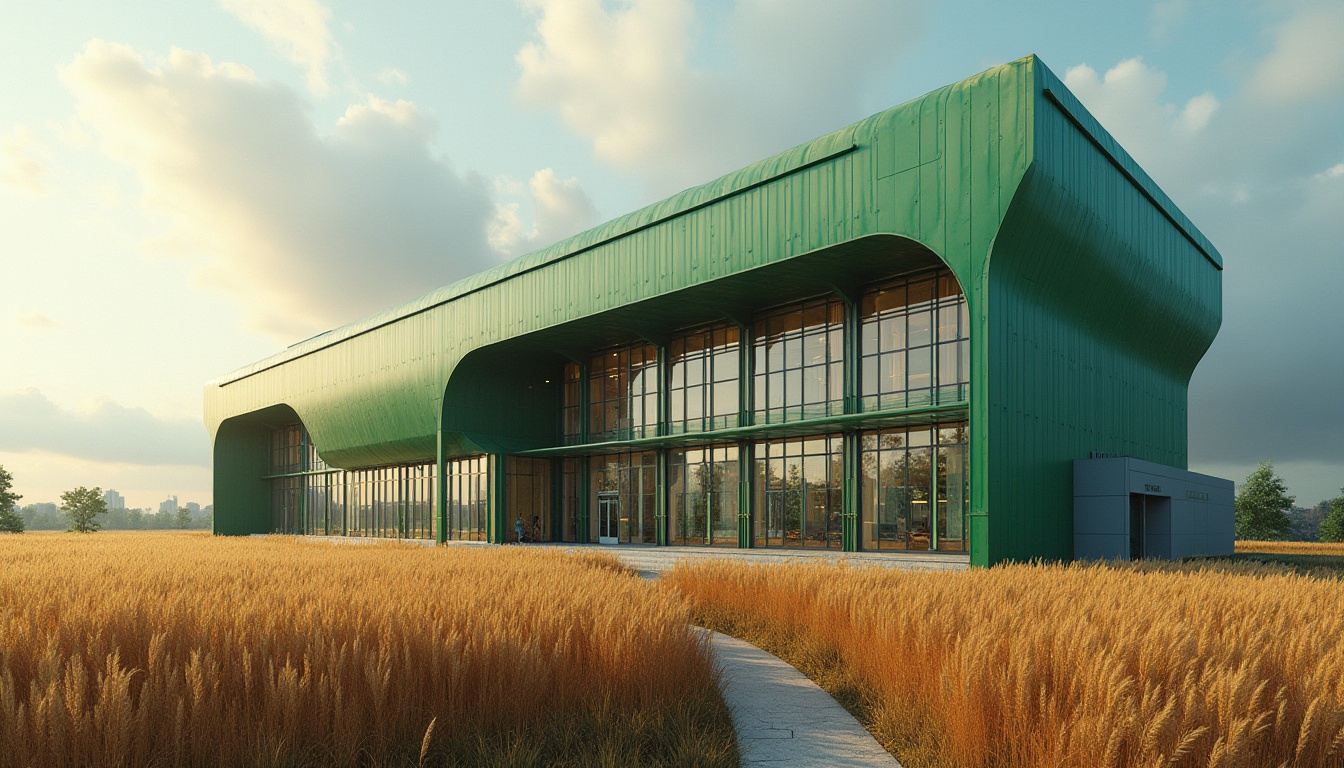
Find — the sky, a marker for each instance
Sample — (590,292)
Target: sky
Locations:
(186,188)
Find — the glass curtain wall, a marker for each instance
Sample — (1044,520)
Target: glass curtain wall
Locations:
(623,393)
(703,390)
(571,394)
(704,503)
(623,489)
(915,487)
(527,496)
(797,492)
(468,498)
(915,343)
(799,360)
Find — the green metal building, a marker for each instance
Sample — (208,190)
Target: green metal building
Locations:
(897,336)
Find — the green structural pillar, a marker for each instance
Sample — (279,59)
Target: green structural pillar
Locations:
(744,462)
(440,494)
(849,503)
(849,496)
(660,499)
(499,526)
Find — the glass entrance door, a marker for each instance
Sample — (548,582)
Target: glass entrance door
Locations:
(608,516)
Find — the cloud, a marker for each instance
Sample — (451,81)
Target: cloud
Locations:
(21,161)
(307,230)
(296,28)
(36,321)
(1251,178)
(560,208)
(108,432)
(1307,59)
(393,76)
(628,81)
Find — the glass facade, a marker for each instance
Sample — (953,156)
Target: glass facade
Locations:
(799,361)
(623,393)
(390,502)
(527,497)
(622,498)
(914,487)
(571,404)
(704,380)
(915,343)
(468,498)
(703,488)
(797,492)
(912,335)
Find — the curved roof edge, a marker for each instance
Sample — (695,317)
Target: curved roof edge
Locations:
(1058,94)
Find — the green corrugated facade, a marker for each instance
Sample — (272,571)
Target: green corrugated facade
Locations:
(1091,298)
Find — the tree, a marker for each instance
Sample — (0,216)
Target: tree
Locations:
(183,517)
(1332,527)
(1262,505)
(10,522)
(81,505)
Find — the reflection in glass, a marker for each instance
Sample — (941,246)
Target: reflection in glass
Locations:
(915,337)
(797,493)
(912,487)
(703,485)
(799,353)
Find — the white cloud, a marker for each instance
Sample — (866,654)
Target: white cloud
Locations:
(627,79)
(36,321)
(106,432)
(297,28)
(22,163)
(1307,60)
(306,230)
(560,208)
(1333,172)
(393,76)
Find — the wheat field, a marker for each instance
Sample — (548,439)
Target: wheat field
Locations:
(1335,549)
(1034,666)
(157,649)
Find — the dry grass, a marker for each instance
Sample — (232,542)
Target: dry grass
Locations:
(142,649)
(1335,549)
(1027,666)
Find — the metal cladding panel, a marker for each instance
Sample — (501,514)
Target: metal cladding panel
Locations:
(373,392)
(1102,300)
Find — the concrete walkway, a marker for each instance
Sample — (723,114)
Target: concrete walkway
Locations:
(784,719)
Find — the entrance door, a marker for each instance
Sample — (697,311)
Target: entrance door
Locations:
(1137,525)
(608,516)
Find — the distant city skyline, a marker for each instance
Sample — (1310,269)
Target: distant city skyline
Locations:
(188,188)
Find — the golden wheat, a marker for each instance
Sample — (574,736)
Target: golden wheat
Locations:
(1046,665)
(1292,547)
(143,649)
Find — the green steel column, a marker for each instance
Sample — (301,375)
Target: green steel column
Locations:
(853,353)
(660,499)
(441,494)
(660,471)
(303,480)
(499,526)
(744,497)
(746,384)
(849,496)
